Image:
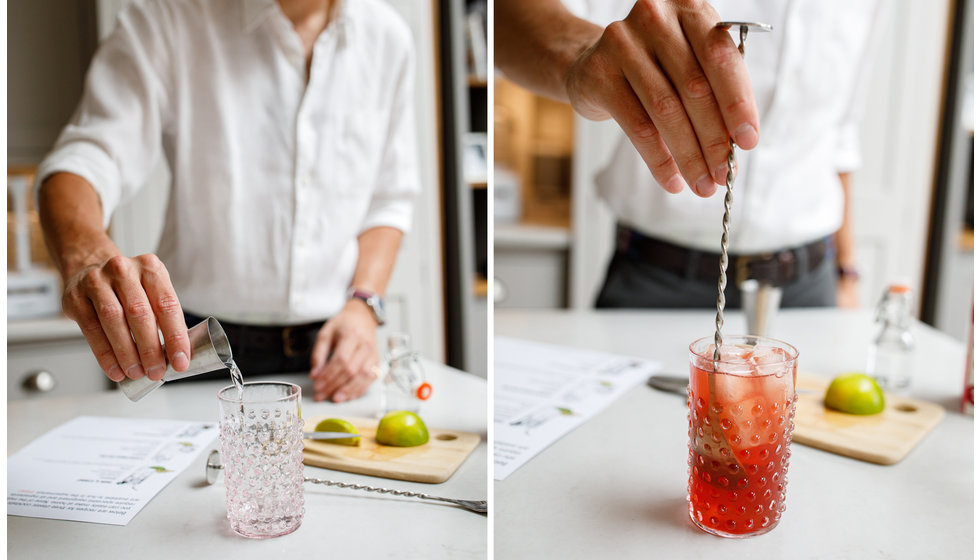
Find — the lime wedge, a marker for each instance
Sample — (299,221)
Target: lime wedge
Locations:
(338,425)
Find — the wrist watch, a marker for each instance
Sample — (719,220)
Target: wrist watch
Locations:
(373,301)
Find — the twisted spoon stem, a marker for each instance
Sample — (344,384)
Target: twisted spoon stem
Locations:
(479,506)
(726,223)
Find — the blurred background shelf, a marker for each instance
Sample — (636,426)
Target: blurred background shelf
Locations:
(464,126)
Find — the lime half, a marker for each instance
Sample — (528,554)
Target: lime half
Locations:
(338,425)
(855,393)
(402,428)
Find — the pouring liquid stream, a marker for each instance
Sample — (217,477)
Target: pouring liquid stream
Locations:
(236,377)
(239,381)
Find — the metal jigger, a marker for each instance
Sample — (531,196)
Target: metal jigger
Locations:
(760,301)
(210,351)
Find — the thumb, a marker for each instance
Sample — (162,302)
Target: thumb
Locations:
(321,348)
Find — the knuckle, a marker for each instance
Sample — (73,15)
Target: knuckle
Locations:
(737,105)
(690,4)
(89,327)
(139,310)
(615,34)
(689,161)
(716,144)
(151,265)
(651,10)
(698,87)
(721,54)
(149,354)
(106,358)
(148,260)
(110,311)
(175,339)
(663,166)
(117,265)
(72,301)
(90,278)
(168,304)
(643,129)
(666,107)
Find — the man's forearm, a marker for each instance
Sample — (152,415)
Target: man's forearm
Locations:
(536,42)
(844,238)
(377,251)
(71,217)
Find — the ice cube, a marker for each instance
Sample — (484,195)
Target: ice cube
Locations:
(735,359)
(767,355)
(769,361)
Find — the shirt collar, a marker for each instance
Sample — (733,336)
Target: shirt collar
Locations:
(255,11)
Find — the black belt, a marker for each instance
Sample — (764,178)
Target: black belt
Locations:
(285,340)
(776,267)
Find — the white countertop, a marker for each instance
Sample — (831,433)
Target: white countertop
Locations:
(616,486)
(187,519)
(41,330)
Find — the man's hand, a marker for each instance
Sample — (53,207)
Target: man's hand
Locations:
(119,304)
(674,83)
(345,355)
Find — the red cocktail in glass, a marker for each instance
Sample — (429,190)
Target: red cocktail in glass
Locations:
(740,422)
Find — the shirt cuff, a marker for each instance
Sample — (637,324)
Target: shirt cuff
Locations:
(847,156)
(89,162)
(390,213)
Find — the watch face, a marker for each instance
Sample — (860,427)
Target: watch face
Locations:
(378,306)
(373,301)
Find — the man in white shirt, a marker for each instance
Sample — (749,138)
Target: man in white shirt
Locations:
(289,133)
(678,88)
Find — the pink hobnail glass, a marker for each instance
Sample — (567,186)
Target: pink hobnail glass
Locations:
(740,423)
(262,450)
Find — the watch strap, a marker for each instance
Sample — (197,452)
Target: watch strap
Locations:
(373,301)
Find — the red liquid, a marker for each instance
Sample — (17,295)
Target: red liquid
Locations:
(739,446)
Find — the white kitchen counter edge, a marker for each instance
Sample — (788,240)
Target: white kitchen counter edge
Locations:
(24,331)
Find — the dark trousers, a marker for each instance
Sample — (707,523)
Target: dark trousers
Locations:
(633,282)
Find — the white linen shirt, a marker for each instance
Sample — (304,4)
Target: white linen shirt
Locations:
(274,177)
(807,80)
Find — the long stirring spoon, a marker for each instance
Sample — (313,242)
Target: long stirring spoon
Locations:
(214,467)
(743,32)
(723,451)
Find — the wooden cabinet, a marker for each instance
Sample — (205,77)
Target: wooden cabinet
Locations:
(533,146)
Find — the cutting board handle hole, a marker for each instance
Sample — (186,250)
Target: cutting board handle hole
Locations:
(446,437)
(906,407)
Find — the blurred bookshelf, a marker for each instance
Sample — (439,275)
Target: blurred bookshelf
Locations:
(464,83)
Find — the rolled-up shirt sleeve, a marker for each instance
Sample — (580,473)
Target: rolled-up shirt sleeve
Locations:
(114,138)
(398,174)
(847,153)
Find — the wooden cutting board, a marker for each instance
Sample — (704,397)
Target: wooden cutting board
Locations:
(884,438)
(433,462)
